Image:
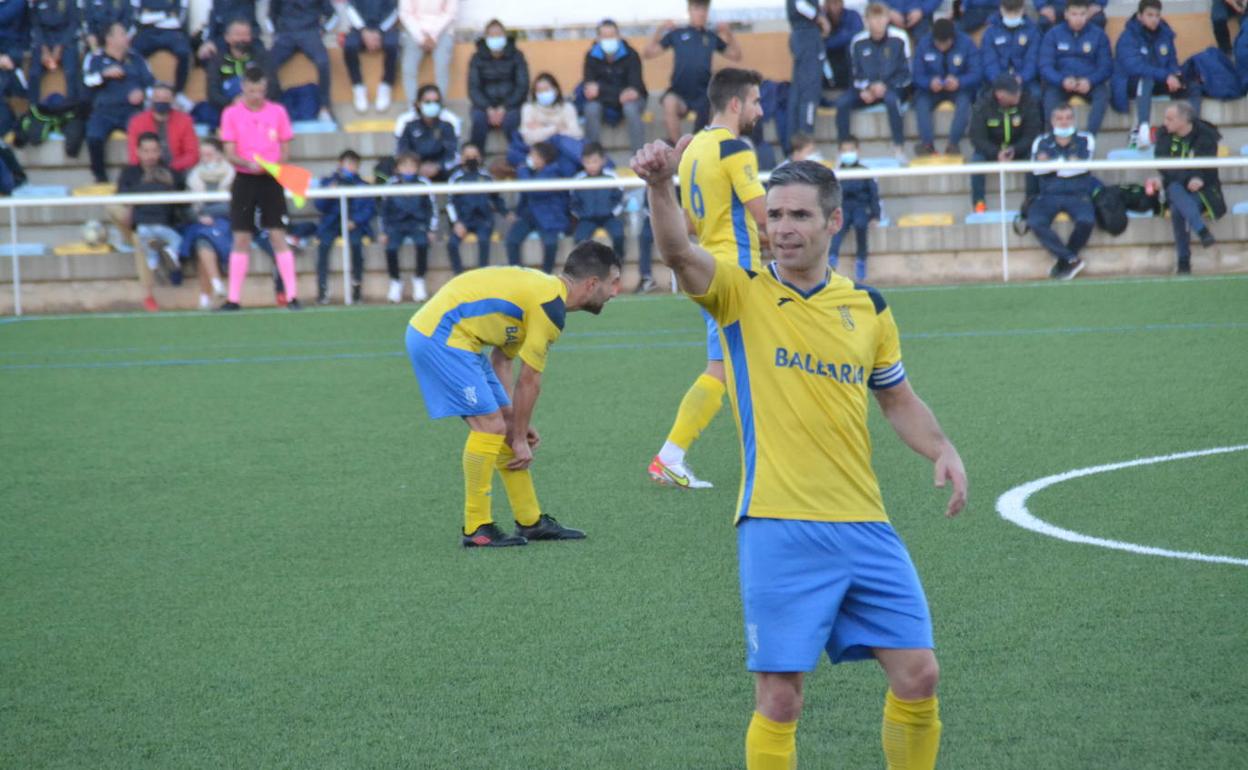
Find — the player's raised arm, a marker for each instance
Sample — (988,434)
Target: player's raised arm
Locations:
(918,427)
(656,163)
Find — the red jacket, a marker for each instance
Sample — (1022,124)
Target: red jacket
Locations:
(183,144)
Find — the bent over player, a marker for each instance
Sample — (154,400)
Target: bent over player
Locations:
(821,569)
(519,313)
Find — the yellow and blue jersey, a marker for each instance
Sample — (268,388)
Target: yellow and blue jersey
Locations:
(516,309)
(799,366)
(718,176)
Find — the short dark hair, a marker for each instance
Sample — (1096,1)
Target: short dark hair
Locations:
(1012,5)
(700,3)
(254,74)
(591,259)
(213,142)
(800,142)
(1008,83)
(495,23)
(350,155)
(593,148)
(943,30)
(1062,106)
(404,157)
(548,151)
(554,83)
(426,88)
(608,22)
(148,136)
(1077,3)
(238,20)
(849,139)
(1146,4)
(731,83)
(812,174)
(466,145)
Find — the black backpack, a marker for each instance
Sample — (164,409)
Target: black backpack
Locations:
(1136,199)
(12,175)
(1111,211)
(56,113)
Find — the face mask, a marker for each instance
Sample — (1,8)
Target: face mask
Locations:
(346,174)
(161,108)
(243,48)
(849,158)
(496,43)
(529,162)
(408,177)
(545,98)
(472,164)
(430,109)
(1064,132)
(610,46)
(1012,22)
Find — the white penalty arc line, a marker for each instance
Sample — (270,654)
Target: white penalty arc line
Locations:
(1012,506)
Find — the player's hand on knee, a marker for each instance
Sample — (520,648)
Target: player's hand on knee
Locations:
(949,468)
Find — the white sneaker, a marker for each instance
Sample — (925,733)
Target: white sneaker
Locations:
(1144,137)
(205,302)
(395,293)
(420,292)
(675,475)
(382,103)
(325,116)
(218,287)
(899,153)
(359,95)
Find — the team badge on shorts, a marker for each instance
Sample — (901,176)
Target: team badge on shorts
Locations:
(470,395)
(847,318)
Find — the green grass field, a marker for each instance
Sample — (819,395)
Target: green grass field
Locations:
(232,542)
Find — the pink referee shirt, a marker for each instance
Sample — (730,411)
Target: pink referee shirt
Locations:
(256,132)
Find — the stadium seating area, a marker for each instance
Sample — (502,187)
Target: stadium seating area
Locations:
(932,234)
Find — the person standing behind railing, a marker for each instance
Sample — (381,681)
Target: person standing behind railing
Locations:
(1191,193)
(253,126)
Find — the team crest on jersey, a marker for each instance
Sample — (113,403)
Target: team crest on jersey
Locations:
(847,317)
(1087,48)
(1022,40)
(470,395)
(957,60)
(1163,49)
(1016,121)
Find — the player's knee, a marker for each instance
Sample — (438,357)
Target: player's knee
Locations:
(779,699)
(917,679)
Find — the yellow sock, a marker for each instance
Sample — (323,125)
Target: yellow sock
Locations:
(520,491)
(770,745)
(911,732)
(479,452)
(697,409)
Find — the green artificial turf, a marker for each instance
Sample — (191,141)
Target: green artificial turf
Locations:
(232,541)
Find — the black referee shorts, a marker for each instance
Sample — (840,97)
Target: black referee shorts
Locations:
(256,191)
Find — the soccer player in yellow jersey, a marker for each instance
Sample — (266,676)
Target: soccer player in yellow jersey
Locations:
(723,202)
(821,569)
(519,313)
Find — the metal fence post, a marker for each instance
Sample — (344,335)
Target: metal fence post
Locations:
(346,250)
(1005,235)
(17,263)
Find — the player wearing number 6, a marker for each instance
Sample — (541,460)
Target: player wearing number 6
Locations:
(723,202)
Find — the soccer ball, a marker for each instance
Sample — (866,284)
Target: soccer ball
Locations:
(94,232)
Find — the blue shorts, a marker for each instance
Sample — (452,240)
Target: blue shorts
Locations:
(814,586)
(713,350)
(454,382)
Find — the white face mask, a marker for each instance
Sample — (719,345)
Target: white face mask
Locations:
(430,109)
(849,158)
(610,46)
(1012,22)
(529,162)
(545,98)
(1064,132)
(496,43)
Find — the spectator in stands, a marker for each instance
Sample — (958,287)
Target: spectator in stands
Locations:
(545,213)
(12,85)
(360,213)
(1192,194)
(161,26)
(428,137)
(1075,60)
(254,128)
(179,146)
(600,209)
(881,58)
(54,26)
(298,26)
(1048,12)
(116,79)
(1011,45)
(1149,65)
(374,27)
(239,51)
(807,28)
(1220,14)
(860,203)
(912,16)
(498,80)
(221,15)
(153,223)
(98,16)
(645,252)
(975,14)
(843,24)
(693,47)
(546,117)
(1004,124)
(613,88)
(471,212)
(404,219)
(430,31)
(14,34)
(946,69)
(803,147)
(1068,190)
(207,239)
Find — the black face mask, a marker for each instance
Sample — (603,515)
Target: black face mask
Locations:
(243,49)
(161,108)
(472,165)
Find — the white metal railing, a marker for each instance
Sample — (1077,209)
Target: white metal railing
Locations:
(344,194)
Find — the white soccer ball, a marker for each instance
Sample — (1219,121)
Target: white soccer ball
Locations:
(94,232)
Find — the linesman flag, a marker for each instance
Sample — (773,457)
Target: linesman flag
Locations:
(294,179)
